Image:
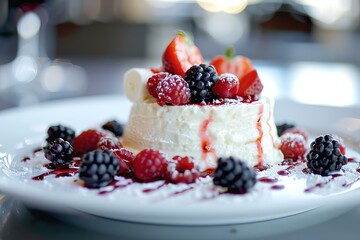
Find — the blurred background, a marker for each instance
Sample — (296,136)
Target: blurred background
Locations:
(304,50)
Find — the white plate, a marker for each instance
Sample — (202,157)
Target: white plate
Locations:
(23,130)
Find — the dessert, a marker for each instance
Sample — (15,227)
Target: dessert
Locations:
(197,113)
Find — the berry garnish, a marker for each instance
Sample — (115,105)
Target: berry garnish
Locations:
(201,79)
(180,55)
(293,146)
(108,143)
(342,144)
(227,86)
(297,130)
(153,82)
(325,156)
(125,158)
(229,63)
(173,90)
(87,141)
(115,127)
(234,174)
(59,152)
(281,128)
(98,168)
(150,165)
(60,131)
(250,84)
(182,170)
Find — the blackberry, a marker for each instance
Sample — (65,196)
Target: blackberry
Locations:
(325,156)
(60,131)
(115,127)
(201,79)
(59,152)
(98,168)
(281,128)
(234,174)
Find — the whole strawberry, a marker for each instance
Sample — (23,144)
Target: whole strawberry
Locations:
(230,63)
(293,146)
(180,55)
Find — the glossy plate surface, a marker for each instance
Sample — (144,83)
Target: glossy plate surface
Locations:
(23,130)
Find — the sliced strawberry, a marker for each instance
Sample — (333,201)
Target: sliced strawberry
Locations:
(229,63)
(250,84)
(180,55)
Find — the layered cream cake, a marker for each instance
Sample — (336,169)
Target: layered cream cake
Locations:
(204,131)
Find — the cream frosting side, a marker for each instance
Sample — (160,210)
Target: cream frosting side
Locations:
(243,130)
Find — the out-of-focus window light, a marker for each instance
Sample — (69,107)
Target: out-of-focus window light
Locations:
(228,6)
(333,14)
(324,84)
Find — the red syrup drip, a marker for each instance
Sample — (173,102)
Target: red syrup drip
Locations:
(115,185)
(25,159)
(260,168)
(259,139)
(61,172)
(208,172)
(349,184)
(268,180)
(321,185)
(277,187)
(149,190)
(305,170)
(350,160)
(286,171)
(205,139)
(36,150)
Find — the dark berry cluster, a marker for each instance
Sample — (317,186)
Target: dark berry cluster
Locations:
(281,128)
(235,175)
(98,168)
(60,131)
(325,156)
(201,79)
(59,152)
(115,127)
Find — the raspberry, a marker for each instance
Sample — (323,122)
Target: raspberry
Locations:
(115,127)
(234,174)
(107,143)
(59,152)
(227,86)
(325,156)
(182,170)
(293,146)
(153,82)
(87,141)
(173,90)
(60,131)
(125,158)
(98,168)
(150,165)
(297,131)
(201,79)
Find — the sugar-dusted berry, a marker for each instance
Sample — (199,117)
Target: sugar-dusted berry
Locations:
(126,159)
(59,152)
(87,141)
(293,146)
(150,165)
(154,81)
(173,90)
(227,86)
(182,170)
